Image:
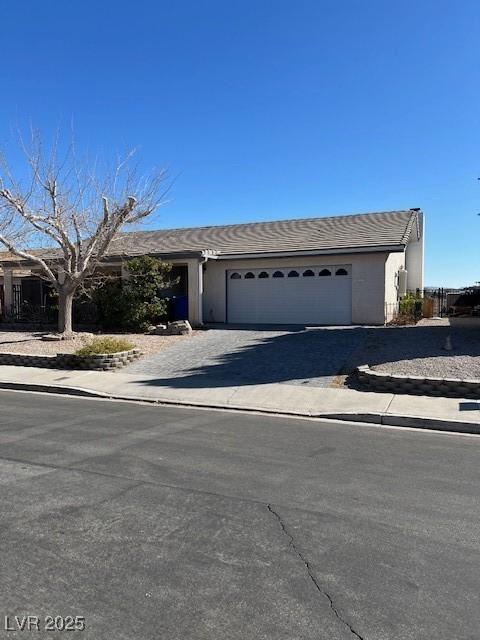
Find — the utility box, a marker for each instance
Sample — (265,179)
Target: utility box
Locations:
(402,283)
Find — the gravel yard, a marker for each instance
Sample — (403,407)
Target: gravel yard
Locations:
(318,357)
(30,342)
(420,350)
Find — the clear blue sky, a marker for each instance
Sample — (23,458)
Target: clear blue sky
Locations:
(269,108)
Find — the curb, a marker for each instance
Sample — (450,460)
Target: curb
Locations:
(369,418)
(89,393)
(392,420)
(52,388)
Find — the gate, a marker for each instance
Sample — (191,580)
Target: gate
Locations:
(442,299)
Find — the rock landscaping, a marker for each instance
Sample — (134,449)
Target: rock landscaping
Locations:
(431,349)
(26,348)
(176,328)
(418,385)
(436,358)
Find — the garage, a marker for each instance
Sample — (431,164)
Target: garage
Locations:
(317,294)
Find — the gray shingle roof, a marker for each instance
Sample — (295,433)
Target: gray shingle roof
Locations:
(307,234)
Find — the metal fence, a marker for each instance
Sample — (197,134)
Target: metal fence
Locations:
(443,299)
(15,310)
(45,312)
(431,302)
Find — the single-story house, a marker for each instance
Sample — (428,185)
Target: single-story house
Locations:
(334,270)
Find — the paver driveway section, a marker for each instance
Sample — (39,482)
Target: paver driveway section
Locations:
(241,356)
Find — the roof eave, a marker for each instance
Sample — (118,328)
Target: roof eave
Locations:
(161,255)
(391,248)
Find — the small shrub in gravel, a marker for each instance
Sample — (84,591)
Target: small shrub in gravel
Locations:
(409,309)
(105,345)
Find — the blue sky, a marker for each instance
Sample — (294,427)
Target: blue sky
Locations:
(268,109)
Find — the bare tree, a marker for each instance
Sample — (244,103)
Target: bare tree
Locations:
(62,214)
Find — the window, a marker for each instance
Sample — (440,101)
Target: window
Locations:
(235,276)
(325,272)
(293,274)
(308,273)
(341,272)
(278,274)
(263,274)
(249,275)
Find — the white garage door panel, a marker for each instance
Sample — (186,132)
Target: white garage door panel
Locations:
(304,300)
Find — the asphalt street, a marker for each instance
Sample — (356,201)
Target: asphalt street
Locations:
(168,523)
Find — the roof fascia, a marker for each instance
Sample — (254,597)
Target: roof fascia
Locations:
(172,255)
(397,248)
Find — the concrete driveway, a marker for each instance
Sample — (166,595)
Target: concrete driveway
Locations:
(255,355)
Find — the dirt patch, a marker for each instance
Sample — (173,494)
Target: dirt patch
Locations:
(28,342)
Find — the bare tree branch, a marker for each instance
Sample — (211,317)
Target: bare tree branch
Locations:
(31,257)
(62,203)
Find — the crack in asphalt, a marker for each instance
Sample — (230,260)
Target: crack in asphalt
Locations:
(312,577)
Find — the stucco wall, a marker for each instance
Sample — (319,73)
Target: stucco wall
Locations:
(394,262)
(414,264)
(414,259)
(368,282)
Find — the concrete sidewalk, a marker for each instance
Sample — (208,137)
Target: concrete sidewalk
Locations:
(450,414)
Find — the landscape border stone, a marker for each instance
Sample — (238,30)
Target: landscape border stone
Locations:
(97,362)
(416,385)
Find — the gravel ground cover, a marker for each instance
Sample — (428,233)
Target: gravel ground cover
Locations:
(420,350)
(30,342)
(314,357)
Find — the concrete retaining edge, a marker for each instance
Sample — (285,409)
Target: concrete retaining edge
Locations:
(416,385)
(97,362)
(378,419)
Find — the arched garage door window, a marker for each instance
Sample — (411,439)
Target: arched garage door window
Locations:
(341,272)
(308,273)
(235,276)
(263,274)
(278,274)
(249,275)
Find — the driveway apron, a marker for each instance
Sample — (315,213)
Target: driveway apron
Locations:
(239,356)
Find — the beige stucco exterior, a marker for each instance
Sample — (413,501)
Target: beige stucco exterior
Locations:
(393,264)
(368,282)
(374,276)
(414,263)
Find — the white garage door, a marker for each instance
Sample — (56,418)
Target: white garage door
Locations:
(320,294)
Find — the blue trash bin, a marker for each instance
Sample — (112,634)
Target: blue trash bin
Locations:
(180,307)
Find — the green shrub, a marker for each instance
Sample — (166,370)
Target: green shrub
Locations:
(105,345)
(410,306)
(135,303)
(110,300)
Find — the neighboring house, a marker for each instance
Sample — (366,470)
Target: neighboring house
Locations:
(338,270)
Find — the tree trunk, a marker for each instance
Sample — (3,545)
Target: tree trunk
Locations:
(65,308)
